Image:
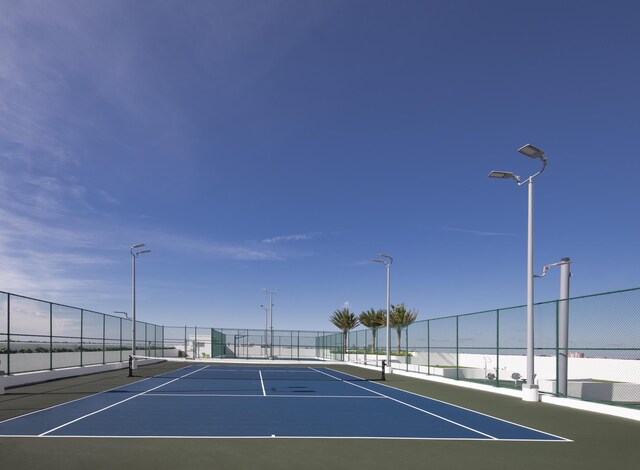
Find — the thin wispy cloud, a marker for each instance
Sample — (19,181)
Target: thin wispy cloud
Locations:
(53,244)
(291,238)
(480,233)
(213,249)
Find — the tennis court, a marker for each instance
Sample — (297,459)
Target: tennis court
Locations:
(158,420)
(213,401)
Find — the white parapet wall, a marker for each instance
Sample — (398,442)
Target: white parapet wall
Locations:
(613,370)
(16,380)
(593,379)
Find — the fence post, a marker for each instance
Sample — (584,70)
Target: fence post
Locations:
(104,341)
(406,357)
(563,326)
(81,334)
(365,346)
(557,350)
(120,339)
(498,347)
(457,351)
(428,347)
(8,334)
(50,336)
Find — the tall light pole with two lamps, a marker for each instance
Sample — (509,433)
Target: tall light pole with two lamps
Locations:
(135,252)
(266,329)
(530,390)
(387,261)
(270,294)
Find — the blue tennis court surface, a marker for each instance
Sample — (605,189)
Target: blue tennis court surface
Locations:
(200,401)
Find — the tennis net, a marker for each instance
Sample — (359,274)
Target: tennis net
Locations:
(242,369)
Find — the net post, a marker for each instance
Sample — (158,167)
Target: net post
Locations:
(130,366)
(384,364)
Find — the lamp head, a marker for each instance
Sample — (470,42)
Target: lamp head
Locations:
(504,175)
(532,151)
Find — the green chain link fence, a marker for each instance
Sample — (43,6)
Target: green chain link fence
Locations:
(489,347)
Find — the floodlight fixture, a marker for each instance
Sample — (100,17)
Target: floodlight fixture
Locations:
(121,313)
(532,151)
(530,392)
(134,255)
(387,264)
(270,294)
(504,175)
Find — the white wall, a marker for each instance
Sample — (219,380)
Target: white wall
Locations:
(614,370)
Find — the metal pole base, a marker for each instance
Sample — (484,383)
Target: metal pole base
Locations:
(530,393)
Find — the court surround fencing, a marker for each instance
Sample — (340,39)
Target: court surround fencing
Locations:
(489,347)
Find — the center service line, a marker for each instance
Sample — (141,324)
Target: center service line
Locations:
(264,393)
(409,405)
(118,403)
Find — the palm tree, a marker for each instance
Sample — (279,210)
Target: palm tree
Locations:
(373,319)
(399,318)
(345,320)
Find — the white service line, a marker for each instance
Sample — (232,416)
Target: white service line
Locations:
(118,403)
(264,393)
(563,439)
(233,395)
(409,405)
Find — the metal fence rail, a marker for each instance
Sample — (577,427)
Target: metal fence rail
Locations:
(39,335)
(602,357)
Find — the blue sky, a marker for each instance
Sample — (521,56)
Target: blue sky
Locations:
(284,144)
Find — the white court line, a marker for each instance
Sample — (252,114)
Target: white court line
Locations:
(264,393)
(254,396)
(84,398)
(118,403)
(216,368)
(412,406)
(564,439)
(386,438)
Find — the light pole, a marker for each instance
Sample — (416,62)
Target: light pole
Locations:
(563,323)
(266,329)
(530,390)
(270,294)
(135,252)
(388,261)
